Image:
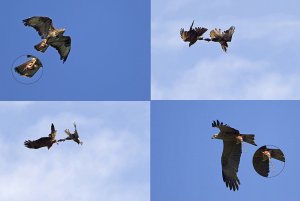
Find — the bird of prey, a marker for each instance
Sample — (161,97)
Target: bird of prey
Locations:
(193,34)
(72,136)
(232,150)
(42,142)
(222,37)
(262,159)
(30,67)
(50,35)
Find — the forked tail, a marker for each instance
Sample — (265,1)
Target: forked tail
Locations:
(249,138)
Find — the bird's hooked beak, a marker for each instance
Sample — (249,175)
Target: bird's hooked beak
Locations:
(214,136)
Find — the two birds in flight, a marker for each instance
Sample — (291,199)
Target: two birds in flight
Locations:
(232,151)
(216,35)
(51,139)
(50,37)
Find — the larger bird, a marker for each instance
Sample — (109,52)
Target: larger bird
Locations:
(262,159)
(221,37)
(193,34)
(232,150)
(44,141)
(72,136)
(50,35)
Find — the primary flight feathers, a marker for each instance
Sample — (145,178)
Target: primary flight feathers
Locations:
(50,35)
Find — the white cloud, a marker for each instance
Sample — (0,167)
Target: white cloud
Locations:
(230,77)
(112,164)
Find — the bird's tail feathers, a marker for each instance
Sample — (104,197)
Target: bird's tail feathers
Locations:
(42,46)
(249,138)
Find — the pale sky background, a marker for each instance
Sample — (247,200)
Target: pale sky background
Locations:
(112,164)
(262,61)
(186,162)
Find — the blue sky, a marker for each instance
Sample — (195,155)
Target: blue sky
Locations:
(262,61)
(186,162)
(109,59)
(112,164)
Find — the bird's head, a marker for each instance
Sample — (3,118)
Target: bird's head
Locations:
(61,31)
(266,155)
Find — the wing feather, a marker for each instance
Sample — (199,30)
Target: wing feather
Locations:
(41,24)
(62,44)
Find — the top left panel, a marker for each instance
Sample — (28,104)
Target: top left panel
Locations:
(79,50)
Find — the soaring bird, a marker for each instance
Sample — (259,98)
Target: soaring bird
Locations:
(72,136)
(232,150)
(42,142)
(30,67)
(50,35)
(193,34)
(222,37)
(262,159)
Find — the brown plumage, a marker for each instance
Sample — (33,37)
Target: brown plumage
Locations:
(232,150)
(42,142)
(72,136)
(262,159)
(192,35)
(50,35)
(30,67)
(221,37)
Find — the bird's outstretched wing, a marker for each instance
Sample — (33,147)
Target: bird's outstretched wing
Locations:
(36,144)
(41,24)
(23,69)
(277,154)
(230,164)
(227,35)
(62,44)
(200,31)
(224,128)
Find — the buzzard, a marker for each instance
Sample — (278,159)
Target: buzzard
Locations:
(222,37)
(193,34)
(50,35)
(72,136)
(42,142)
(262,159)
(30,67)
(232,150)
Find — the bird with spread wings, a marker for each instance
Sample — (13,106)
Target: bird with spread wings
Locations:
(44,141)
(72,136)
(30,67)
(193,34)
(221,37)
(232,150)
(50,35)
(262,159)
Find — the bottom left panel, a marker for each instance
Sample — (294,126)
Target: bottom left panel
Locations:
(93,151)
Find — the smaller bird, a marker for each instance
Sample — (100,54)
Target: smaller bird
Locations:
(222,37)
(50,35)
(30,67)
(72,136)
(262,159)
(44,141)
(193,34)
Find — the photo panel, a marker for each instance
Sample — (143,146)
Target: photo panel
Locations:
(111,161)
(186,160)
(261,61)
(109,57)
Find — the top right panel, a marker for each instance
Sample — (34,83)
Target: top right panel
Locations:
(225,50)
